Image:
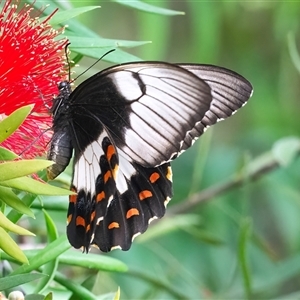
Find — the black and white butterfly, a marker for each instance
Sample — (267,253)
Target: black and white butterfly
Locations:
(125,124)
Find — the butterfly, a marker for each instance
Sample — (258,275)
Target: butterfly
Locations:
(125,125)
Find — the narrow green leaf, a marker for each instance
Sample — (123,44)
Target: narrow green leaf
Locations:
(51,267)
(48,296)
(76,59)
(45,255)
(16,280)
(286,149)
(12,200)
(19,168)
(8,245)
(93,261)
(13,121)
(88,283)
(243,240)
(79,259)
(149,8)
(51,227)
(15,216)
(92,42)
(75,288)
(10,226)
(116,57)
(7,154)
(35,187)
(65,15)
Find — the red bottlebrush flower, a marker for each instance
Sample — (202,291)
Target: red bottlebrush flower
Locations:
(31,65)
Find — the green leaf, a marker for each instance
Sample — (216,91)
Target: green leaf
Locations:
(15,216)
(77,258)
(48,296)
(50,252)
(51,267)
(92,42)
(116,57)
(13,121)
(149,8)
(35,187)
(65,15)
(10,226)
(88,284)
(8,245)
(16,280)
(14,169)
(75,288)
(12,200)
(7,154)
(93,261)
(286,150)
(244,237)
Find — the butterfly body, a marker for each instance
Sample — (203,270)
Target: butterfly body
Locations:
(125,124)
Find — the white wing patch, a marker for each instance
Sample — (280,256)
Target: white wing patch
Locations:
(126,170)
(130,91)
(169,102)
(87,168)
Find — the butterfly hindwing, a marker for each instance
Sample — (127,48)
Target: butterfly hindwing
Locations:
(130,212)
(95,171)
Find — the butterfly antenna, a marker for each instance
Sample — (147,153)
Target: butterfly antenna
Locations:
(108,52)
(68,61)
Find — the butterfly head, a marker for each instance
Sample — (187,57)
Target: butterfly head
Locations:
(62,98)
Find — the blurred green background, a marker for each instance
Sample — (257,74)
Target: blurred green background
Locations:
(243,243)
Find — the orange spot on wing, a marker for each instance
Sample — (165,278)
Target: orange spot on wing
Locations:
(88,227)
(107,175)
(113,225)
(93,214)
(100,196)
(80,221)
(110,152)
(73,198)
(154,176)
(145,194)
(132,212)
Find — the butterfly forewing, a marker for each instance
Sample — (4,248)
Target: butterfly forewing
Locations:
(125,124)
(147,107)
